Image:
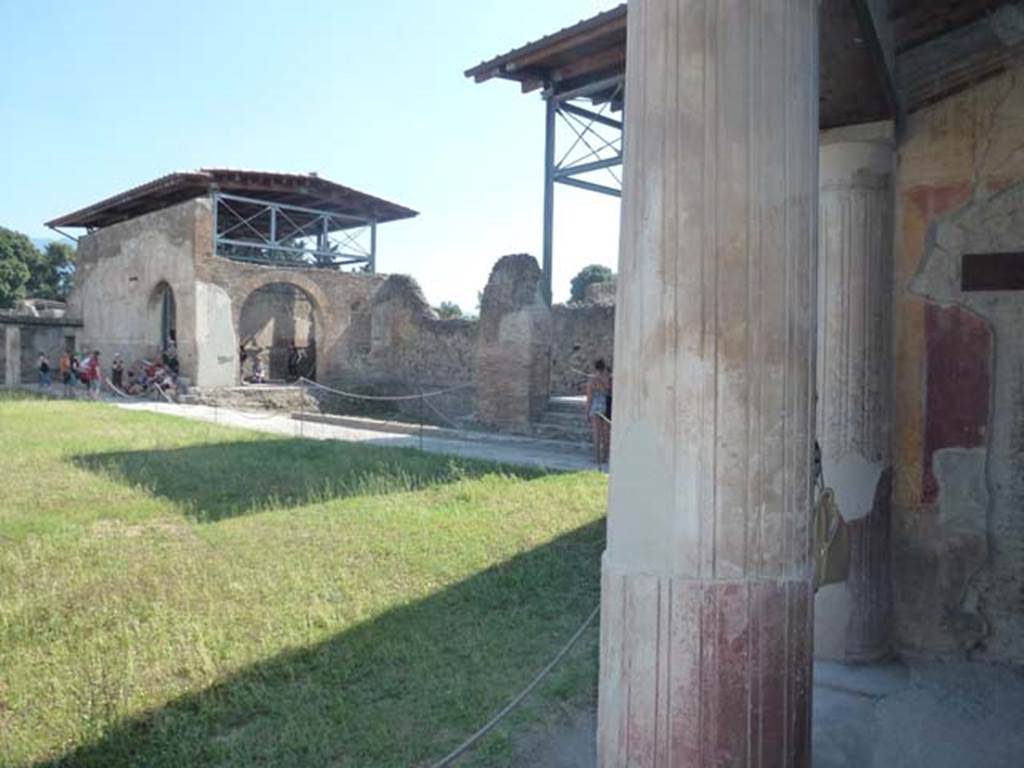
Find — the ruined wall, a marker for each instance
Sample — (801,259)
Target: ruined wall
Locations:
(120,268)
(412,350)
(10,359)
(958,493)
(48,339)
(514,345)
(118,271)
(581,334)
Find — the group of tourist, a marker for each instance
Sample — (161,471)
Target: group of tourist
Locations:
(300,362)
(139,379)
(72,370)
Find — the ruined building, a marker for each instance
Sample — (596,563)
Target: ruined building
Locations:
(219,262)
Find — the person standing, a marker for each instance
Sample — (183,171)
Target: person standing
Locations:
(43,368)
(92,374)
(170,358)
(65,371)
(599,409)
(117,371)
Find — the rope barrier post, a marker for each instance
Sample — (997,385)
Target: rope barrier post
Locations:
(421,418)
(302,409)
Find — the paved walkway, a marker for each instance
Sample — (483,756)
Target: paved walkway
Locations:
(921,715)
(507,450)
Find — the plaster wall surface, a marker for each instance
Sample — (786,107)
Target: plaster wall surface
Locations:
(119,269)
(958,531)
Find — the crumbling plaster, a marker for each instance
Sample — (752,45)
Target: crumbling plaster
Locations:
(118,270)
(959,374)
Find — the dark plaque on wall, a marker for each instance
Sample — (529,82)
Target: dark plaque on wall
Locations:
(992,272)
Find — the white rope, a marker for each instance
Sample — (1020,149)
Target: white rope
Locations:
(489,726)
(438,411)
(126,396)
(385,398)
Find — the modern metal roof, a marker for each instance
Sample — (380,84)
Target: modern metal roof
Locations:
(305,190)
(590,50)
(937,47)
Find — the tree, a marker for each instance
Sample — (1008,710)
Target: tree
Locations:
(449,310)
(16,255)
(52,272)
(594,273)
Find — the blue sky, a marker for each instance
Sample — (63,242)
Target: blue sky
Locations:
(101,95)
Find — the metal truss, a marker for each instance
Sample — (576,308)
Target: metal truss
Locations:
(592,159)
(267,232)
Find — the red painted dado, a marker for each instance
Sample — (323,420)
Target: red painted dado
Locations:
(958,385)
(935,201)
(705,673)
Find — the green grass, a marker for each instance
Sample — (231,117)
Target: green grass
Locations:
(174,593)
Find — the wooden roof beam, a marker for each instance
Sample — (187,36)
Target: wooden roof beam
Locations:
(613,58)
(878,31)
(958,59)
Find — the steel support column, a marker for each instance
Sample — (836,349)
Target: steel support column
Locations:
(550,112)
(372,262)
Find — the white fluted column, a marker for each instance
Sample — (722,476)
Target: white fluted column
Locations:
(706,620)
(851,619)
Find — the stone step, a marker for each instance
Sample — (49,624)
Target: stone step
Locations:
(573,405)
(564,419)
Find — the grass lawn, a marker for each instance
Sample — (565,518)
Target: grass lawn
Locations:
(174,593)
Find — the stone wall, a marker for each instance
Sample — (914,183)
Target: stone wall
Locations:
(958,364)
(22,338)
(10,360)
(119,269)
(411,350)
(514,345)
(581,334)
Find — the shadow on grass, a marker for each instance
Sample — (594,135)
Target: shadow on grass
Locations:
(400,690)
(214,481)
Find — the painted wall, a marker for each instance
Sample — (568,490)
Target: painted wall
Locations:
(958,364)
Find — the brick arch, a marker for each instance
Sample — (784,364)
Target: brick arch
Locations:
(241,293)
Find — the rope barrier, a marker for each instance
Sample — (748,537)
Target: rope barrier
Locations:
(444,416)
(490,725)
(257,417)
(384,398)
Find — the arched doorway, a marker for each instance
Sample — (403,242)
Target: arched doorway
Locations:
(164,314)
(277,325)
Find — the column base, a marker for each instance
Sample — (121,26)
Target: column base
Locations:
(704,672)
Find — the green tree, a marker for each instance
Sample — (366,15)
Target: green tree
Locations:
(17,254)
(449,310)
(593,273)
(52,272)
